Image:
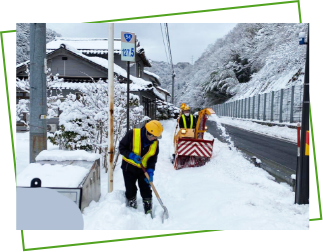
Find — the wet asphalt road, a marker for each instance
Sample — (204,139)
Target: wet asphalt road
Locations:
(278,151)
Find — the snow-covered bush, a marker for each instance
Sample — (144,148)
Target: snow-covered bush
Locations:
(166,110)
(84,122)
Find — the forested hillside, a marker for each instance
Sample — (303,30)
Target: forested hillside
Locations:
(250,59)
(22,52)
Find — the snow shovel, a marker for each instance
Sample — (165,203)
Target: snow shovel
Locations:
(165,214)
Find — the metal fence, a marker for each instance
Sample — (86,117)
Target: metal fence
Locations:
(284,105)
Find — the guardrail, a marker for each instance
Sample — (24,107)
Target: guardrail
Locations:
(284,105)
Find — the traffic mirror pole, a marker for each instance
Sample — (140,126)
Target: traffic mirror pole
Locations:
(302,173)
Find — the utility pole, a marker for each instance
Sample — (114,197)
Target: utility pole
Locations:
(302,172)
(111,102)
(38,88)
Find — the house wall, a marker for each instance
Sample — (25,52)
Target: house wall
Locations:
(73,67)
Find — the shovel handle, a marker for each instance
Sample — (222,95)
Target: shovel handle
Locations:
(151,183)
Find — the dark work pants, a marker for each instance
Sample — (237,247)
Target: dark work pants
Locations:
(130,177)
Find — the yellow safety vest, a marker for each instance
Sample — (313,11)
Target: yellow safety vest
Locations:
(136,148)
(184,121)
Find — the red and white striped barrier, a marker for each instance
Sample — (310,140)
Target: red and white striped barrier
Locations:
(195,147)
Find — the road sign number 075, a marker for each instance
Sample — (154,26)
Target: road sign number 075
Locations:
(128,52)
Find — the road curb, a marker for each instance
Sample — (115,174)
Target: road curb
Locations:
(280,172)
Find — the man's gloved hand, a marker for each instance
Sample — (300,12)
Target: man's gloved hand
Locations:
(135,158)
(151,175)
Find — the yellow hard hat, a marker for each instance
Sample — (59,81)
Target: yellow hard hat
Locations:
(155,128)
(183,105)
(186,108)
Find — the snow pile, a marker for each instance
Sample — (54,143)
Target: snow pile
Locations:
(63,155)
(52,175)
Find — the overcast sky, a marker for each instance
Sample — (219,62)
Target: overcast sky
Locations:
(187,40)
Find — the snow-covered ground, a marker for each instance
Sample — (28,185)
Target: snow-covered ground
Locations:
(228,193)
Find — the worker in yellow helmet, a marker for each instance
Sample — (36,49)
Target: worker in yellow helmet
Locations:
(187,120)
(140,147)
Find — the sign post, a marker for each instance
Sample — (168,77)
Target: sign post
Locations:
(128,53)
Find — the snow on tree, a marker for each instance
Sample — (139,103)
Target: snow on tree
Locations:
(22,53)
(256,58)
(84,122)
(166,110)
(53,101)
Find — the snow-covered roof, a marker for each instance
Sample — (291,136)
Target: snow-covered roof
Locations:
(85,45)
(137,84)
(151,74)
(23,63)
(163,90)
(93,46)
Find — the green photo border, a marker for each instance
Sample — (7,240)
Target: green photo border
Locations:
(136,18)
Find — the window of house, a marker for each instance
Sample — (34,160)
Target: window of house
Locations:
(64,58)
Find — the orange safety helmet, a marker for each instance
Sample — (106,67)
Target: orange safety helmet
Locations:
(155,128)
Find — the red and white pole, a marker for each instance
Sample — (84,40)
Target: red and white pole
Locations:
(298,154)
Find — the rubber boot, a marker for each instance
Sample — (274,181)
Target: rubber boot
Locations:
(147,205)
(132,203)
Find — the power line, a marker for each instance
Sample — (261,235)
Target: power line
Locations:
(169,48)
(161,29)
(171,62)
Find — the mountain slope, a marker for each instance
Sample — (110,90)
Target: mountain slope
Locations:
(22,53)
(250,59)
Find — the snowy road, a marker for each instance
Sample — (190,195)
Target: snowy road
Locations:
(262,146)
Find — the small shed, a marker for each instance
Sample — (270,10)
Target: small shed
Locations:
(74,174)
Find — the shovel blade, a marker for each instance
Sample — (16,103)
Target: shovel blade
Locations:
(165,214)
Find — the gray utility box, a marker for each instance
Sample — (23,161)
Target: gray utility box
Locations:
(89,187)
